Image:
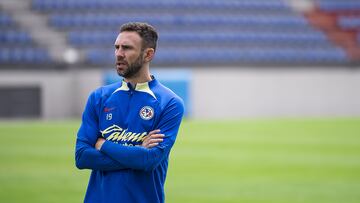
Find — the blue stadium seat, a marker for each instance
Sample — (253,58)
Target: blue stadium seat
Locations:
(331,5)
(253,55)
(24,56)
(106,38)
(111,20)
(231,56)
(245,37)
(50,5)
(199,31)
(17,46)
(15,37)
(5,20)
(350,22)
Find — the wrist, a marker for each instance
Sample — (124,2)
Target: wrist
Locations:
(99,143)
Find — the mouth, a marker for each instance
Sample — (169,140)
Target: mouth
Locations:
(120,64)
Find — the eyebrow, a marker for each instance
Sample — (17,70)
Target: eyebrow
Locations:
(123,45)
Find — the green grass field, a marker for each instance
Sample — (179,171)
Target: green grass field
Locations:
(269,161)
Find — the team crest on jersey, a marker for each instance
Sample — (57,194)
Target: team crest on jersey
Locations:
(146,113)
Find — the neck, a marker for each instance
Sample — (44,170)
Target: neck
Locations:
(142,76)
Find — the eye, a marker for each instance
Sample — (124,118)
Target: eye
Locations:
(125,47)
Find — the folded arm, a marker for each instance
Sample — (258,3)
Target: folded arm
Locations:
(86,156)
(140,158)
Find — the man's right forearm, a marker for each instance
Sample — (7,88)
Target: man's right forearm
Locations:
(87,157)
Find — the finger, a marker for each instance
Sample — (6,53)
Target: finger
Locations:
(154,131)
(155,141)
(152,145)
(146,144)
(151,139)
(156,136)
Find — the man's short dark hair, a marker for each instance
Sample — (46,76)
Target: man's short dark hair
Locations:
(147,33)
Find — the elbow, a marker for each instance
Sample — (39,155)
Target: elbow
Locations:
(79,166)
(142,166)
(149,167)
(79,163)
(150,164)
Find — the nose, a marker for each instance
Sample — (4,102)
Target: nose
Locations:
(119,53)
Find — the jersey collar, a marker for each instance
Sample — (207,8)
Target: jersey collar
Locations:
(140,87)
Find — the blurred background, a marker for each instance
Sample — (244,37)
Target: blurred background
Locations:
(271,91)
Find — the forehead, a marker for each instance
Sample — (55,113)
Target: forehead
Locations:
(128,38)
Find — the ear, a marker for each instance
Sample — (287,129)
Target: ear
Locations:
(149,54)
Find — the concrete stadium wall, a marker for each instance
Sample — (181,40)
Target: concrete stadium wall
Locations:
(217,92)
(62,93)
(276,92)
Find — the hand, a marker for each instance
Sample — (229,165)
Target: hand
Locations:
(152,139)
(100,141)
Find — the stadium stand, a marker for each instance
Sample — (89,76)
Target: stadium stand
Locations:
(349,22)
(157,4)
(5,20)
(346,7)
(98,38)
(194,32)
(217,56)
(17,46)
(340,21)
(15,37)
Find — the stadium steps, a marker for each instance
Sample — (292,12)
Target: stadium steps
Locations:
(17,46)
(340,21)
(36,25)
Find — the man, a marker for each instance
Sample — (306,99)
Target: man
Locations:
(128,128)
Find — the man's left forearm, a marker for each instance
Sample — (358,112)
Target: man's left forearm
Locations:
(135,157)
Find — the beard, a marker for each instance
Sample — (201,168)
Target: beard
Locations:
(132,69)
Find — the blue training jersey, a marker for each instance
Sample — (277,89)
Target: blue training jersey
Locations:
(123,171)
